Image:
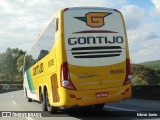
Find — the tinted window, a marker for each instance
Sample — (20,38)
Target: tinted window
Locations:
(42,47)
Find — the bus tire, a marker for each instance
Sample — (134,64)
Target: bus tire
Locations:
(99,106)
(28,99)
(43,102)
(50,108)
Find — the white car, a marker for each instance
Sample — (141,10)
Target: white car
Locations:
(5,88)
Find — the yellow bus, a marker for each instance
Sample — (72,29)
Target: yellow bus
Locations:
(80,59)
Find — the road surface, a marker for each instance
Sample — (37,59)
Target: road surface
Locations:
(17,103)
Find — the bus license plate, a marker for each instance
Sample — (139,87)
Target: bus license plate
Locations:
(101,94)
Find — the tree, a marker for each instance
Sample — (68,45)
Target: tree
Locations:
(150,76)
(7,62)
(10,62)
(138,81)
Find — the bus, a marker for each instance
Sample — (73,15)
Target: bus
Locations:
(80,59)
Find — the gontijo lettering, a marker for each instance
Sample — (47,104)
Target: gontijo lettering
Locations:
(94,40)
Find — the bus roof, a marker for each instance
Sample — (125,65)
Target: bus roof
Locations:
(100,8)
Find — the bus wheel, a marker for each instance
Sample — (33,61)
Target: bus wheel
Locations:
(99,106)
(28,99)
(50,108)
(43,102)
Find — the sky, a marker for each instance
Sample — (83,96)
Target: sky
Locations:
(21,21)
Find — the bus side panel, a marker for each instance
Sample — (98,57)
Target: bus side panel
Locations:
(28,87)
(39,76)
(59,94)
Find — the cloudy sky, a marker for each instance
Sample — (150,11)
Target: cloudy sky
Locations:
(22,20)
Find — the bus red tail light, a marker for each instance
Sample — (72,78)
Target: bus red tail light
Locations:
(128,73)
(65,77)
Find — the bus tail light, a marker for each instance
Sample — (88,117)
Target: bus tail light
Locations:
(65,77)
(128,73)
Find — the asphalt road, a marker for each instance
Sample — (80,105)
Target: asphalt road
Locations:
(130,108)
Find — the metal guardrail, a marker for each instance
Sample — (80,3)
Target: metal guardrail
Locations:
(11,82)
(146,92)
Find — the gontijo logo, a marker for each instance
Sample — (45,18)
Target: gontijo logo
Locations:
(94,19)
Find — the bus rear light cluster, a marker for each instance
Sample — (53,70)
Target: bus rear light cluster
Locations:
(65,77)
(128,73)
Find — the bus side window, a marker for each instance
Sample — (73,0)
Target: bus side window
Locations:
(57,22)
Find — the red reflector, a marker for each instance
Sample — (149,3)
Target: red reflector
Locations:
(72,96)
(78,98)
(127,90)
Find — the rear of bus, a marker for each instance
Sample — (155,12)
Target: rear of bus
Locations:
(97,66)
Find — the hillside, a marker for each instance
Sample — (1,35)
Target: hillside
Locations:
(143,75)
(152,64)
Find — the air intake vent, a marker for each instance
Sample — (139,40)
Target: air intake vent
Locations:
(96,52)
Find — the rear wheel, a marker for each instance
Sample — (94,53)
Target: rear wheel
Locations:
(43,102)
(28,99)
(50,108)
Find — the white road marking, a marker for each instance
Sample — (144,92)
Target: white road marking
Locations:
(119,108)
(14,102)
(29,118)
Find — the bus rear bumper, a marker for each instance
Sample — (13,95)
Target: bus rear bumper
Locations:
(98,96)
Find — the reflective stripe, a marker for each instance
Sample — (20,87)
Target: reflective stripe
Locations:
(30,82)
